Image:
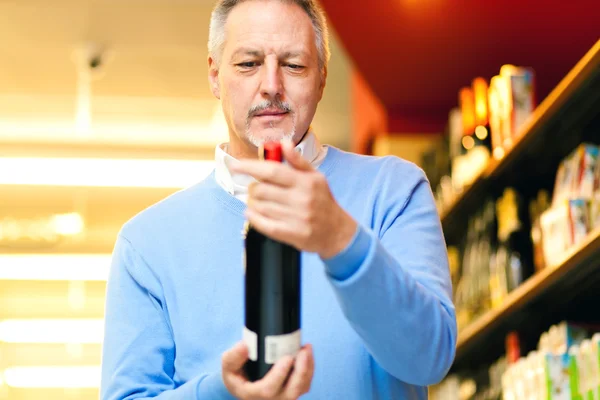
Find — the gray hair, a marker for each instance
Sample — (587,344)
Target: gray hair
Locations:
(216,35)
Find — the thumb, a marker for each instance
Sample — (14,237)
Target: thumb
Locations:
(293,158)
(234,359)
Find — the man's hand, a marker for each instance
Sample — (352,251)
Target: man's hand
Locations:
(293,204)
(278,384)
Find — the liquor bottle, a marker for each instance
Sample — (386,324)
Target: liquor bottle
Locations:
(272,294)
(482,120)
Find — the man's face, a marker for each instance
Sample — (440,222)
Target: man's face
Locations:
(268,80)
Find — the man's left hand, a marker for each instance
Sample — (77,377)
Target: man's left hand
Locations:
(293,204)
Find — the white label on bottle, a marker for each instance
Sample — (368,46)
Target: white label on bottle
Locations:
(281,345)
(251,340)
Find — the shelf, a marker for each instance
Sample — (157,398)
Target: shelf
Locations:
(555,124)
(579,265)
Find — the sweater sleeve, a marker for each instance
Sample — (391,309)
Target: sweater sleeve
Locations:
(394,288)
(138,351)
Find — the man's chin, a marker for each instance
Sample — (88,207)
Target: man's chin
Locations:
(268,135)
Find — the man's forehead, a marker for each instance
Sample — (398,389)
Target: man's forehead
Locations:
(258,51)
(276,19)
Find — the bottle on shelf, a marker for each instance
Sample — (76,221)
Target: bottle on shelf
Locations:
(537,207)
(272,294)
(513,240)
(482,122)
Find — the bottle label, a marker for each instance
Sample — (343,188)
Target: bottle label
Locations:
(281,345)
(251,340)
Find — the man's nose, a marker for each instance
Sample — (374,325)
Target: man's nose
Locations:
(272,82)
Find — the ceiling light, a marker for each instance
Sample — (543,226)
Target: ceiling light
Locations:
(55,267)
(52,331)
(68,224)
(53,377)
(99,172)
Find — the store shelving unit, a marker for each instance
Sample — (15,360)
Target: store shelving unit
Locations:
(554,128)
(569,115)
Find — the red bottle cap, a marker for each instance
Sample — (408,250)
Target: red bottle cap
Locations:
(272,151)
(513,347)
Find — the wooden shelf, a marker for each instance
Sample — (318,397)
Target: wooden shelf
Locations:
(580,258)
(568,116)
(577,95)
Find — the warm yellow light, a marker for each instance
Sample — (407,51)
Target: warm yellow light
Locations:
(48,228)
(53,377)
(468,142)
(55,331)
(68,224)
(480,90)
(481,132)
(98,172)
(55,267)
(498,153)
(466,101)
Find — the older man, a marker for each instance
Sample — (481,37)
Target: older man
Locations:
(377,317)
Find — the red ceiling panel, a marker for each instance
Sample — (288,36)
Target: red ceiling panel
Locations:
(416,54)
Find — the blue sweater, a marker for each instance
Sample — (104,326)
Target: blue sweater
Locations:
(379,314)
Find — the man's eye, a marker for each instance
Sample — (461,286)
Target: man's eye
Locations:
(295,66)
(249,64)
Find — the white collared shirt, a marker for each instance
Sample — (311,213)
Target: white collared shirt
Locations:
(237,185)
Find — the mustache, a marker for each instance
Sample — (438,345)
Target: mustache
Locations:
(269,104)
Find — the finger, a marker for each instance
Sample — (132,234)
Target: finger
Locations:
(266,171)
(271,210)
(286,231)
(269,192)
(272,384)
(234,359)
(299,382)
(294,158)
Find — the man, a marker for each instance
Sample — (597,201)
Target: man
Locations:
(377,317)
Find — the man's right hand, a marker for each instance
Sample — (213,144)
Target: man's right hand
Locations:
(275,385)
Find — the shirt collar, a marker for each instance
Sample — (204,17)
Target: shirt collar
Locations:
(309,148)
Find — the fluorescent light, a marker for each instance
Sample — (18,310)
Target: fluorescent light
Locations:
(53,377)
(52,331)
(55,267)
(68,224)
(102,172)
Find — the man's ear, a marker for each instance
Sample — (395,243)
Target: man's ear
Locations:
(323,82)
(213,77)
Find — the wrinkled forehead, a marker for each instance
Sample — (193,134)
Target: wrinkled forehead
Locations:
(270,27)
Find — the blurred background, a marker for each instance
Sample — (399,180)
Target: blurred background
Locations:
(105,109)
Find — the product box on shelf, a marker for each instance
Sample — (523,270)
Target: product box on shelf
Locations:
(521,96)
(511,97)
(576,175)
(562,336)
(561,376)
(575,203)
(556,233)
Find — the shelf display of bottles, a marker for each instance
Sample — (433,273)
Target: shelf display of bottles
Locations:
(564,366)
(497,257)
(512,238)
(486,124)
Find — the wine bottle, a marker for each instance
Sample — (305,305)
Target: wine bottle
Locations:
(272,294)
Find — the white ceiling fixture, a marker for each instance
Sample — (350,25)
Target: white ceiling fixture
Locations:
(100,172)
(55,267)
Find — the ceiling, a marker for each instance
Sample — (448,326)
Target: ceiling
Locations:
(153,86)
(417,54)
